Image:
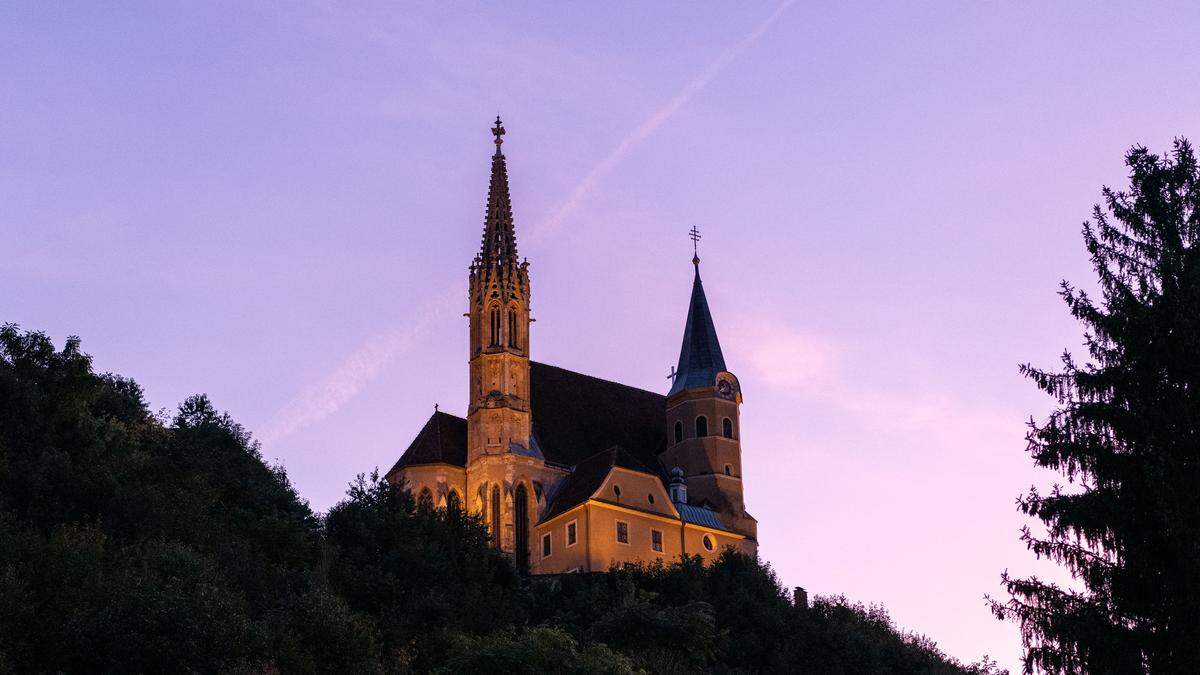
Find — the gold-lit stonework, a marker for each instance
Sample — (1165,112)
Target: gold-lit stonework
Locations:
(574,473)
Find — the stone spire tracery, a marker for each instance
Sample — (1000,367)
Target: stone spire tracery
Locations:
(497,259)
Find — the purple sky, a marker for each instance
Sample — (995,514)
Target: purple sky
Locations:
(277,207)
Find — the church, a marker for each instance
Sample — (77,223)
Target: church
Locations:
(573,473)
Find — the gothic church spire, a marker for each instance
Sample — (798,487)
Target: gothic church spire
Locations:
(499,246)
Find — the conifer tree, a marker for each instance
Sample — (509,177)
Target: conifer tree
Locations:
(1126,434)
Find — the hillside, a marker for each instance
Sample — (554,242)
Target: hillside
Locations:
(136,542)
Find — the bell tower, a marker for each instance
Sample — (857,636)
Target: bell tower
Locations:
(703,426)
(498,420)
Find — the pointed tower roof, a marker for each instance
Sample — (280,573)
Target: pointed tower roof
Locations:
(700,357)
(499,246)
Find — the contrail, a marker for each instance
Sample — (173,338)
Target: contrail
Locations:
(327,396)
(585,187)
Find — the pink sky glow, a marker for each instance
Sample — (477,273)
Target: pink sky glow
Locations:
(276,205)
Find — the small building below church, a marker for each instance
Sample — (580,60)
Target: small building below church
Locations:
(571,472)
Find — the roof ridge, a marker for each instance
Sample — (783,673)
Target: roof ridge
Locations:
(612,449)
(638,464)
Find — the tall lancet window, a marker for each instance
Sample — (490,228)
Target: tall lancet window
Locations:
(521,527)
(495,335)
(495,514)
(512,328)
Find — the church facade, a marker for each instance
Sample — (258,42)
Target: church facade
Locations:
(571,472)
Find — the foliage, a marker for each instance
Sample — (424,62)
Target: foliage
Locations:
(1126,434)
(533,651)
(730,616)
(127,543)
(420,575)
(138,543)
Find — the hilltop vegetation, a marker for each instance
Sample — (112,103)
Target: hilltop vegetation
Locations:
(136,542)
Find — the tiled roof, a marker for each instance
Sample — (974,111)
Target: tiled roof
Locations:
(443,440)
(700,515)
(588,475)
(574,417)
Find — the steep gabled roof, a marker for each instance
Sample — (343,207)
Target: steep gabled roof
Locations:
(700,357)
(589,475)
(575,416)
(443,440)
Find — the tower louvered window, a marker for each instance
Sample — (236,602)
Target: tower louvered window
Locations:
(512,328)
(495,334)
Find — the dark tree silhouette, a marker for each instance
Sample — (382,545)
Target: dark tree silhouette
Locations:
(137,544)
(1126,434)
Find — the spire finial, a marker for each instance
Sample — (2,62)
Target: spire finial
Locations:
(695,235)
(498,131)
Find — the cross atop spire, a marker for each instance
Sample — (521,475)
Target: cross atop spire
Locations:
(696,237)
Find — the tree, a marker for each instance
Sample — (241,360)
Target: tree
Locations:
(532,651)
(130,544)
(1126,434)
(423,576)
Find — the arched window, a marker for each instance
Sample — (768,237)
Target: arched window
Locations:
(453,503)
(425,500)
(495,335)
(512,328)
(678,432)
(617,491)
(496,515)
(521,527)
(727,428)
(701,426)
(728,470)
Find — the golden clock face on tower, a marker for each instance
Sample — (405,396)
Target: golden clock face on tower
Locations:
(724,388)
